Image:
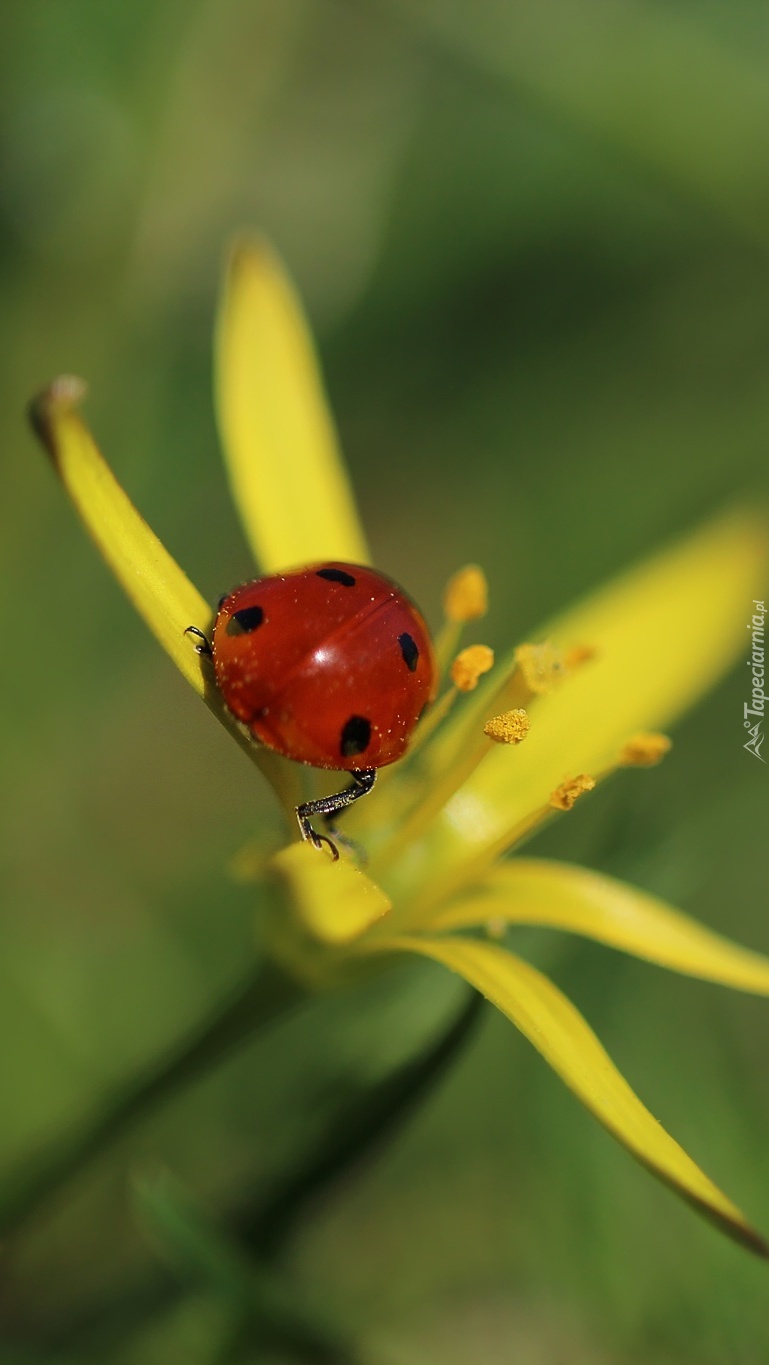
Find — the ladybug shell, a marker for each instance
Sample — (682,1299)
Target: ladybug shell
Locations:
(330,665)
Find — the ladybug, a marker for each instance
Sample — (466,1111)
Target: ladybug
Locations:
(329,665)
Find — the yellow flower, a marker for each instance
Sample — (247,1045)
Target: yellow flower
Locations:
(524,741)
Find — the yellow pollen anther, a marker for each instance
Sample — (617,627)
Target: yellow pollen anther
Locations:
(645,749)
(469,665)
(564,797)
(542,666)
(509,728)
(466,596)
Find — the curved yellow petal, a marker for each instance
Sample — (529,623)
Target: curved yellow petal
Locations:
(562,896)
(158,588)
(569,1045)
(156,585)
(335,902)
(661,633)
(280,446)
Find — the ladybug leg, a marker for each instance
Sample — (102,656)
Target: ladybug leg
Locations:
(205,646)
(363,780)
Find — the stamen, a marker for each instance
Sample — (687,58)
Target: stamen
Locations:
(443,786)
(509,728)
(641,750)
(538,669)
(644,750)
(569,792)
(470,665)
(541,666)
(466,599)
(467,595)
(535,669)
(466,669)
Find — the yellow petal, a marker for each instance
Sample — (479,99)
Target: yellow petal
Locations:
(561,896)
(569,1045)
(280,446)
(662,634)
(152,579)
(335,901)
(158,588)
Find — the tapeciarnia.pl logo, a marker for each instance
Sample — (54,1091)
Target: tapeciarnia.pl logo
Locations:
(755,707)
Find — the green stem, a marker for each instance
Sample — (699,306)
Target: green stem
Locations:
(370,1118)
(263,1310)
(365,1124)
(263,996)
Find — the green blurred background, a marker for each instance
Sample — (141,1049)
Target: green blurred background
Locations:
(534,244)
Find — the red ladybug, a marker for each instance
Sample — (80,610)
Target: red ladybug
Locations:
(330,665)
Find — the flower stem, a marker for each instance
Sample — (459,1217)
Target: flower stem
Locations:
(262,1226)
(262,997)
(361,1128)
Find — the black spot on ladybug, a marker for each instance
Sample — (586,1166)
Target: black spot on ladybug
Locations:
(409,650)
(244,621)
(356,735)
(337,576)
